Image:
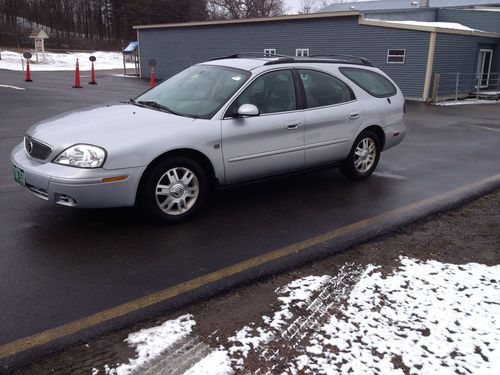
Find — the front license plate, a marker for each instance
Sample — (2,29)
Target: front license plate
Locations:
(19,176)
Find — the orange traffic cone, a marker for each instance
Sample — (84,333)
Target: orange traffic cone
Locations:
(77,76)
(28,73)
(152,78)
(92,76)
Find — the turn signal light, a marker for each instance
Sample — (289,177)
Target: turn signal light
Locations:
(112,179)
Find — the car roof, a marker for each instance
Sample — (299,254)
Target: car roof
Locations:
(243,63)
(253,60)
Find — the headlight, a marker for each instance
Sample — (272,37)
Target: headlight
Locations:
(82,156)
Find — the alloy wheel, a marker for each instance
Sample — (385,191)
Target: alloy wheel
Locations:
(177,191)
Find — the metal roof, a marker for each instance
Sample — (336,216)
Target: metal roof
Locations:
(131,47)
(405,4)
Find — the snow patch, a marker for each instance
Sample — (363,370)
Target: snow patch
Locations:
(64,61)
(216,363)
(466,102)
(441,25)
(151,342)
(429,317)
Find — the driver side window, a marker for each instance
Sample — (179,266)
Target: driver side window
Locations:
(270,93)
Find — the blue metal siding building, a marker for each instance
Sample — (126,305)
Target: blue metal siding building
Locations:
(476,19)
(177,46)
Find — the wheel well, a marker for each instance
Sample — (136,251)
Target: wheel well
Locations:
(379,132)
(185,152)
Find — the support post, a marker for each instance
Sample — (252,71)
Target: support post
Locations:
(456,86)
(435,87)
(430,63)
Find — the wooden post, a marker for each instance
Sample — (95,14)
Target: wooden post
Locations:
(435,87)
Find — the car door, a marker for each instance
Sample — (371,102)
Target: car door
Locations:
(332,116)
(273,141)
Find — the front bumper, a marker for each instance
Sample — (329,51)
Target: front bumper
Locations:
(77,187)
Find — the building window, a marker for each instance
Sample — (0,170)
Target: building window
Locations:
(270,51)
(396,56)
(302,52)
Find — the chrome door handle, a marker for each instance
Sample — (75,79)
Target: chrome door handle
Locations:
(293,126)
(354,116)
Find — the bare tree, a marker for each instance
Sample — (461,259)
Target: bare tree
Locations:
(218,9)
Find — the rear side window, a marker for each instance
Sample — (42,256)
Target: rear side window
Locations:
(322,89)
(373,83)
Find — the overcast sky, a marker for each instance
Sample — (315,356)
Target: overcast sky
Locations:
(294,5)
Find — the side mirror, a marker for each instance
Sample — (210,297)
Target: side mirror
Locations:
(247,110)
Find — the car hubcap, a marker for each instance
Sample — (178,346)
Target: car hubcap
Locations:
(177,191)
(364,155)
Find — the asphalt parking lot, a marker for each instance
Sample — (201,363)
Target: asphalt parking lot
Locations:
(68,273)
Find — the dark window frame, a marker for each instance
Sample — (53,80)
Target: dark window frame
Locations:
(388,95)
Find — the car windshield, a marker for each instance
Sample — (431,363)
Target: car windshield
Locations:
(199,91)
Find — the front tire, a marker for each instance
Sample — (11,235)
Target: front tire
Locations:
(173,190)
(363,158)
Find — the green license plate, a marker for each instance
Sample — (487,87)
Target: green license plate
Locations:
(19,176)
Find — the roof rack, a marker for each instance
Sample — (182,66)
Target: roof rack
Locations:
(284,59)
(344,59)
(347,58)
(249,54)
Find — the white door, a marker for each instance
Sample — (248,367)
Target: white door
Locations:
(273,141)
(484,67)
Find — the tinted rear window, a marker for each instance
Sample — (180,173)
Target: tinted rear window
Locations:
(372,82)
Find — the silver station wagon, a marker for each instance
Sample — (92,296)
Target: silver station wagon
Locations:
(221,122)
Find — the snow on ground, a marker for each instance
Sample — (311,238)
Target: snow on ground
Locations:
(442,25)
(152,342)
(466,102)
(64,61)
(216,363)
(425,317)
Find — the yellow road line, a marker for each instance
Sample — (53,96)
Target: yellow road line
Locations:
(49,335)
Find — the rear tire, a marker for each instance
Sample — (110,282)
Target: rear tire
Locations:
(174,190)
(363,158)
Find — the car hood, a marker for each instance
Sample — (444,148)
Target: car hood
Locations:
(106,125)
(120,128)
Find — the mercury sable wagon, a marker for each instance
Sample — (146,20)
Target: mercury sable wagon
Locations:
(225,121)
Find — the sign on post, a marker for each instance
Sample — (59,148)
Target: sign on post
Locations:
(39,36)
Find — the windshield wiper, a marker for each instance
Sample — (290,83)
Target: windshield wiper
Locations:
(156,105)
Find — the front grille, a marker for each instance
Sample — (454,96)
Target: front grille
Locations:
(36,149)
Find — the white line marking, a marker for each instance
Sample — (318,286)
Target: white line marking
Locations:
(12,87)
(484,127)
(389,175)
